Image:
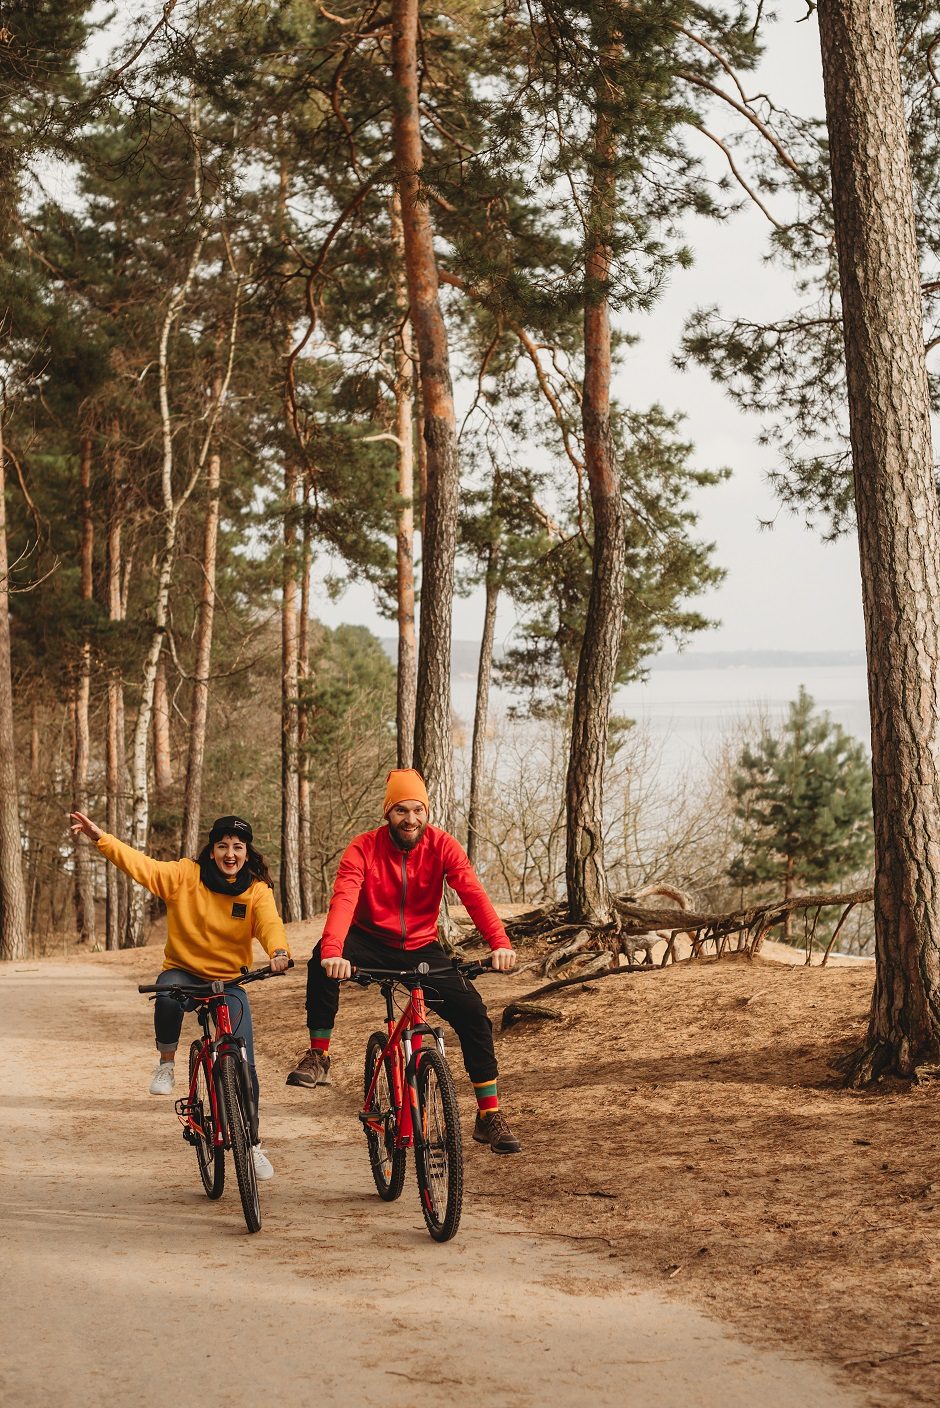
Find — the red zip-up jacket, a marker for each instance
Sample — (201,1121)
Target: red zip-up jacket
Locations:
(395,896)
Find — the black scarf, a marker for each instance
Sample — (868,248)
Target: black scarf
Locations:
(213,879)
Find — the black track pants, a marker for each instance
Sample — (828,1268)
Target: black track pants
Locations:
(449,994)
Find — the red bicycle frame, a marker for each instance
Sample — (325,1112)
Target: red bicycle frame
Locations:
(401,1051)
(208,1055)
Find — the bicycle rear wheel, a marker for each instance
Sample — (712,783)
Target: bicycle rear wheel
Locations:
(388,1162)
(229,1079)
(209,1156)
(439,1160)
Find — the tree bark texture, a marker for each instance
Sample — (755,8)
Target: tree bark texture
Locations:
(587,890)
(85,924)
(13,933)
(404,433)
(291,908)
(162,758)
(482,706)
(898,521)
(433,745)
(115,880)
(199,709)
(304,705)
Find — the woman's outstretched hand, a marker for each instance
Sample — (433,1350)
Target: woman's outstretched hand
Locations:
(82,825)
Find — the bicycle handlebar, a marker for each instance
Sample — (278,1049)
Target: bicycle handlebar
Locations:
(256,975)
(470,968)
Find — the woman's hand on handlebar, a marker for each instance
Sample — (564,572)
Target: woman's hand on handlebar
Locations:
(502,960)
(82,825)
(280,961)
(339,968)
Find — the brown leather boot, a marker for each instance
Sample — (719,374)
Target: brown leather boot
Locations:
(313,1068)
(493,1129)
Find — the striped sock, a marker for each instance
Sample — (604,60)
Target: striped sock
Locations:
(320,1038)
(487,1099)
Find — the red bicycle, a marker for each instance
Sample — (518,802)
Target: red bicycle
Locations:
(411,1101)
(219,1111)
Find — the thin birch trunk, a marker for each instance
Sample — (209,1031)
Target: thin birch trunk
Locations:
(433,748)
(115,880)
(173,506)
(407,674)
(32,818)
(305,860)
(13,932)
(482,706)
(291,908)
(85,924)
(162,759)
(199,712)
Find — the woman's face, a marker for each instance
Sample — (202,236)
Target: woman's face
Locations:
(230,855)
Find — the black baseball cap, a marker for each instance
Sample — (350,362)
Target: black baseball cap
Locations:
(230,826)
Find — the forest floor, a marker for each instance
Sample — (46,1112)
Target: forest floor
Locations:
(701,1216)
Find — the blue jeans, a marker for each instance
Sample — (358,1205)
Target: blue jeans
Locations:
(168,1016)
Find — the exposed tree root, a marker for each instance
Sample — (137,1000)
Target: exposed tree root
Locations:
(637,927)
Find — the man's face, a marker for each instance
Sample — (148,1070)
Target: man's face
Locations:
(407,821)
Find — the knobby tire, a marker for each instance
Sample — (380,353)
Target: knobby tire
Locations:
(439,1162)
(229,1078)
(209,1156)
(387,1162)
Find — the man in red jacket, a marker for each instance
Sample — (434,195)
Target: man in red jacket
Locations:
(383,913)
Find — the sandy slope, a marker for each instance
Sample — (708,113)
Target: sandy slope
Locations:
(125,1286)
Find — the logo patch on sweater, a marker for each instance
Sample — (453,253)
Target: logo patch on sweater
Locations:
(239,911)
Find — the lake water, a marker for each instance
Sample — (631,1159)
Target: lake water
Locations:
(688,713)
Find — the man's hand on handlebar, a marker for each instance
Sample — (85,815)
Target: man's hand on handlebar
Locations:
(502,960)
(336,968)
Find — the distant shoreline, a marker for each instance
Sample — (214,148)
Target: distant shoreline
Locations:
(465,656)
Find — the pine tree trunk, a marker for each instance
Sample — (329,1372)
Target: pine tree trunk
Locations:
(587,889)
(433,745)
(305,860)
(32,818)
(13,934)
(85,924)
(291,908)
(199,709)
(421,444)
(482,707)
(898,520)
(115,880)
(407,674)
(162,760)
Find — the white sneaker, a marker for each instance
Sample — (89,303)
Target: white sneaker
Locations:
(263,1166)
(164,1078)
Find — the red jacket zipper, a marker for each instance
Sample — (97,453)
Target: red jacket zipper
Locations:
(404,892)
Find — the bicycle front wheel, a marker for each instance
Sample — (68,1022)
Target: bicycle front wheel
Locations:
(439,1157)
(229,1078)
(387,1161)
(209,1155)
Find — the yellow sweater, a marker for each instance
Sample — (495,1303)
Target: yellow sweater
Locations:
(206,933)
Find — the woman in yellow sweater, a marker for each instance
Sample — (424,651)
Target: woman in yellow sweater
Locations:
(215,907)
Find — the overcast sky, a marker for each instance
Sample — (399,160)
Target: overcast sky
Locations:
(785,588)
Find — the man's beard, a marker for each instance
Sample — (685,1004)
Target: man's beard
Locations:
(407,843)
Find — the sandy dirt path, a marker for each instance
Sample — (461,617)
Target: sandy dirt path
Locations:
(125,1286)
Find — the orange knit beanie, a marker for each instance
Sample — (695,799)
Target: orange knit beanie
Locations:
(404,785)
